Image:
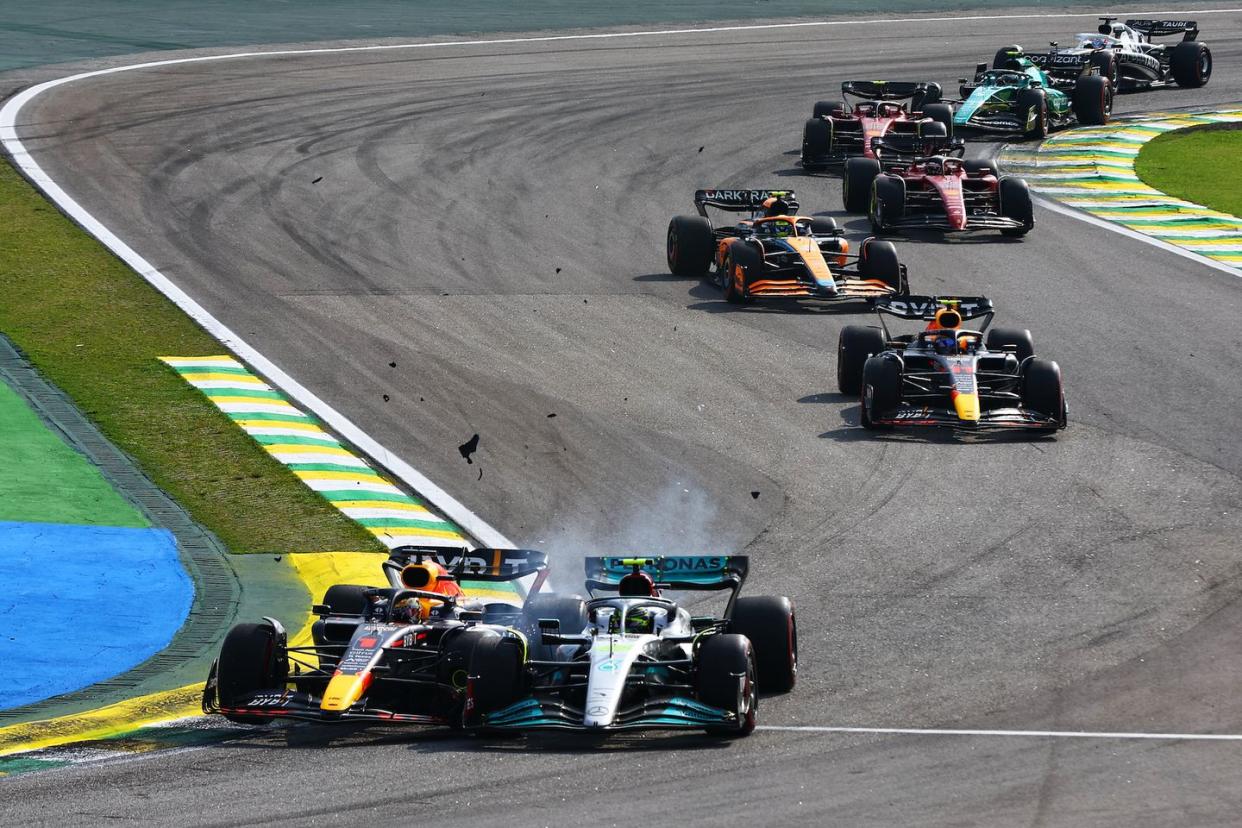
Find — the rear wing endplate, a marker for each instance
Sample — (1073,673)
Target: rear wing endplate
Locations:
(884,90)
(741,201)
(1188,29)
(685,572)
(471,564)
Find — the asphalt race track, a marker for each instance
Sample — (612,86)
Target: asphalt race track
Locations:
(492,220)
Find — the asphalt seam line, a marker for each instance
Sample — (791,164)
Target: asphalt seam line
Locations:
(1088,174)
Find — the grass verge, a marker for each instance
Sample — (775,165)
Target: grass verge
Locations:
(1199,165)
(95,329)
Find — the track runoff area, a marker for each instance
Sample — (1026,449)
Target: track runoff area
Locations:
(10,119)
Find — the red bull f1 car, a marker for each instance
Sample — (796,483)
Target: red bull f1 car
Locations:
(899,112)
(633,658)
(946,375)
(776,253)
(940,192)
(395,654)
(1127,54)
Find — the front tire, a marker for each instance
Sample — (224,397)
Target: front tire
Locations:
(878,260)
(721,659)
(1033,102)
(881,390)
(1015,203)
(496,667)
(252,658)
(856,181)
(888,202)
(1093,100)
(1042,390)
(816,142)
(824,109)
(689,246)
(742,263)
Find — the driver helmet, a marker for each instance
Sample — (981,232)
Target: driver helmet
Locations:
(775,206)
(408,611)
(1097,42)
(946,345)
(888,109)
(642,620)
(934,166)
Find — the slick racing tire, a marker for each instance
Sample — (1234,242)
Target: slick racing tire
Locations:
(1106,64)
(888,202)
(252,658)
(1191,64)
(690,246)
(1033,101)
(1019,338)
(346,599)
(856,181)
(742,263)
(823,226)
(721,658)
(881,390)
(1005,58)
(825,108)
(941,113)
(921,100)
(770,624)
(1015,203)
(854,345)
(1093,100)
(496,665)
(972,165)
(1042,390)
(878,260)
(569,610)
(816,141)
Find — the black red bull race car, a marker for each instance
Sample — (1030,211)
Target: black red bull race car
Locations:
(397,654)
(946,375)
(940,192)
(899,112)
(776,253)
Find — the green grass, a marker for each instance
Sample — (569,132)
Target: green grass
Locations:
(95,329)
(1199,165)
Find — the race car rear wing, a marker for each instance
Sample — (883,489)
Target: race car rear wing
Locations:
(905,149)
(925,307)
(1188,29)
(887,90)
(688,572)
(741,201)
(471,564)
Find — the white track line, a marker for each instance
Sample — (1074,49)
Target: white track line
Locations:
(1039,734)
(441,499)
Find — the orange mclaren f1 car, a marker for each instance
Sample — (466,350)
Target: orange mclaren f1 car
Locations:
(778,253)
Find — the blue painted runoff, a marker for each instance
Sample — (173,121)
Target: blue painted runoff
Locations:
(80,604)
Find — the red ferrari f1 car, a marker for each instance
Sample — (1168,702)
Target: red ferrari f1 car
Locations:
(899,112)
(938,192)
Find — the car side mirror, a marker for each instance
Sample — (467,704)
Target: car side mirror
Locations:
(549,628)
(980,68)
(961,81)
(321,610)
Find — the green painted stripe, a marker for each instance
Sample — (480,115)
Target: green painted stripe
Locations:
(405,523)
(286,440)
(211,369)
(252,393)
(345,495)
(334,467)
(269,416)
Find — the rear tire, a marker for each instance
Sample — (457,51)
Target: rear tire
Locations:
(1191,64)
(1093,100)
(1015,203)
(975,166)
(769,623)
(347,599)
(1106,64)
(854,345)
(1003,58)
(878,260)
(856,181)
(921,100)
(1020,338)
(689,246)
(823,109)
(1042,389)
(721,658)
(569,610)
(824,226)
(252,658)
(747,259)
(941,113)
(881,390)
